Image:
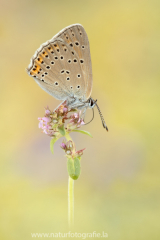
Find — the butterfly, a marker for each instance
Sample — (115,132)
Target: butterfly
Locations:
(62,67)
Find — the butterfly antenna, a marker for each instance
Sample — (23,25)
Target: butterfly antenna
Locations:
(92,117)
(102,119)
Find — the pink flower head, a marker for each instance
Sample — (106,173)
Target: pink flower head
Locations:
(53,120)
(76,121)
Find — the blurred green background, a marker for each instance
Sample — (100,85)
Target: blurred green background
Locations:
(118,191)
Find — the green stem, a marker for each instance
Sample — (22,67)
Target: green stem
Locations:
(70,195)
(70,202)
(68,137)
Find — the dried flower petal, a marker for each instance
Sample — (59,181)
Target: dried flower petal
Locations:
(79,153)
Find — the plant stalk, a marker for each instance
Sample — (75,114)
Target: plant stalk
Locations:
(70,195)
(70,202)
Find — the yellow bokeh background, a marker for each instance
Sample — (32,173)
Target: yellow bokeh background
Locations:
(118,191)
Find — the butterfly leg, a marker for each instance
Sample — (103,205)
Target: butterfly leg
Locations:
(84,113)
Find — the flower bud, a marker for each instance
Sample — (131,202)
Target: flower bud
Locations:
(69,145)
(63,145)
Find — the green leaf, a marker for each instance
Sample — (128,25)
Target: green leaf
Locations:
(52,142)
(61,129)
(74,168)
(82,131)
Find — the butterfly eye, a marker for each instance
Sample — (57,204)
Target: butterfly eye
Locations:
(48,67)
(62,57)
(77,43)
(56,58)
(52,52)
(56,83)
(78,75)
(78,86)
(68,78)
(42,75)
(46,56)
(67,72)
(71,44)
(46,73)
(52,62)
(42,80)
(62,71)
(71,87)
(83,46)
(69,61)
(75,60)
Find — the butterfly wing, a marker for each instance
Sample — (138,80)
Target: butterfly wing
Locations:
(62,65)
(76,36)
